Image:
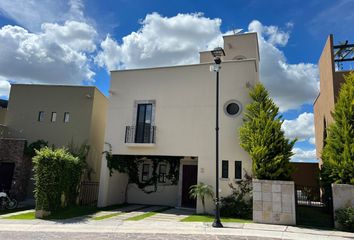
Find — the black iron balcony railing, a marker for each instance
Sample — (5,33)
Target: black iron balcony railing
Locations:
(140,134)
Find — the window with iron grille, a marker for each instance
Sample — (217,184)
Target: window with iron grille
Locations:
(162,173)
(145,172)
(238,170)
(225,169)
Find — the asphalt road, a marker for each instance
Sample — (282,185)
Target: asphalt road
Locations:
(116,236)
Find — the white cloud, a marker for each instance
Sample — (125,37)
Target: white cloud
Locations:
(291,85)
(301,155)
(301,128)
(58,54)
(4,87)
(32,14)
(161,41)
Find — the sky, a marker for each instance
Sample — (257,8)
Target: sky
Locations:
(80,41)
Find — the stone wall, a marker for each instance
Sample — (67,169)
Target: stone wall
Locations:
(11,151)
(343,196)
(274,202)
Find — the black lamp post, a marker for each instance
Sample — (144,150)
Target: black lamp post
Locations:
(217,53)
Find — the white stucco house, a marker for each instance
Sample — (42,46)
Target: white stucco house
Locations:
(169,112)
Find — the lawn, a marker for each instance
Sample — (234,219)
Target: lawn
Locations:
(107,216)
(146,215)
(23,216)
(209,218)
(6,211)
(70,212)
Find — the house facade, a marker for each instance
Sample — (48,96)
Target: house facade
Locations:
(331,77)
(168,113)
(59,115)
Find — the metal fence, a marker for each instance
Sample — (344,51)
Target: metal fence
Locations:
(140,134)
(88,194)
(308,196)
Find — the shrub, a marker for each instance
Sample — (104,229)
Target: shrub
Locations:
(261,136)
(30,150)
(201,190)
(338,150)
(57,176)
(345,217)
(239,203)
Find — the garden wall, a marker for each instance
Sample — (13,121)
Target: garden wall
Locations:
(274,202)
(343,196)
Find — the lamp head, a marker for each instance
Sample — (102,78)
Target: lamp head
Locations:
(217,53)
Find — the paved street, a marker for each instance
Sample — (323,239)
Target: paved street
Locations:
(115,236)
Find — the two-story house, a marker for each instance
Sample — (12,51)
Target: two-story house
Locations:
(169,113)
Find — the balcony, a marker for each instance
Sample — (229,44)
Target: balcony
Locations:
(140,135)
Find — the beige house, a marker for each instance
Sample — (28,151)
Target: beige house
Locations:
(169,113)
(331,78)
(59,114)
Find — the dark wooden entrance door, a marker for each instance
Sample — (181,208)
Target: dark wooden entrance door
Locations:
(6,174)
(190,176)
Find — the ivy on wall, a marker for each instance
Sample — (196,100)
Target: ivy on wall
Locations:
(130,164)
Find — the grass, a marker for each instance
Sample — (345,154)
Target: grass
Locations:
(209,218)
(146,215)
(108,216)
(70,212)
(23,216)
(6,211)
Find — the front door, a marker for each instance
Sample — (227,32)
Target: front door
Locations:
(6,174)
(143,123)
(190,177)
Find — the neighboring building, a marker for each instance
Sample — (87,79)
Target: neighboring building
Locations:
(3,110)
(305,174)
(331,78)
(60,115)
(169,112)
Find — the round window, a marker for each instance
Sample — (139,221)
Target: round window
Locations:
(232,108)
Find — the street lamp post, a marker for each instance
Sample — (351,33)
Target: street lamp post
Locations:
(217,53)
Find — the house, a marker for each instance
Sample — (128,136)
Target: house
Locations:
(163,115)
(3,110)
(331,67)
(60,115)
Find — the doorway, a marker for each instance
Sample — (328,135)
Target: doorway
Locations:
(190,177)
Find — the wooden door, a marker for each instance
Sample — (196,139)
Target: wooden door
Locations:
(190,176)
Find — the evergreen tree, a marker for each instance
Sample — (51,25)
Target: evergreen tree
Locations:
(261,136)
(338,152)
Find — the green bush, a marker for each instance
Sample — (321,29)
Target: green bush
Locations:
(239,203)
(30,150)
(345,217)
(262,137)
(57,175)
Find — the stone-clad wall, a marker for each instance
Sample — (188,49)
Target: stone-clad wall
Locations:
(274,202)
(11,151)
(343,197)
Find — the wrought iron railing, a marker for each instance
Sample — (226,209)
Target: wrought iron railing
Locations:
(308,195)
(140,134)
(88,193)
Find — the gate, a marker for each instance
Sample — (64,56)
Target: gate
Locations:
(6,175)
(314,206)
(88,193)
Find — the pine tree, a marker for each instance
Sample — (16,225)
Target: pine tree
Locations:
(261,136)
(338,152)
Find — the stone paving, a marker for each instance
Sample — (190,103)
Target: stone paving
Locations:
(171,215)
(126,209)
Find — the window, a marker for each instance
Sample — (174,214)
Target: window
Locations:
(225,169)
(40,116)
(232,108)
(143,123)
(238,170)
(162,173)
(66,117)
(54,116)
(145,172)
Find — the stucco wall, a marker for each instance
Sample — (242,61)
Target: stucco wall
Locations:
(274,202)
(3,112)
(343,197)
(165,195)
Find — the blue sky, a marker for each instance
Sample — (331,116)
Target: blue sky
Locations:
(78,42)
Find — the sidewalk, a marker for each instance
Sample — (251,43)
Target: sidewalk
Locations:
(164,227)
